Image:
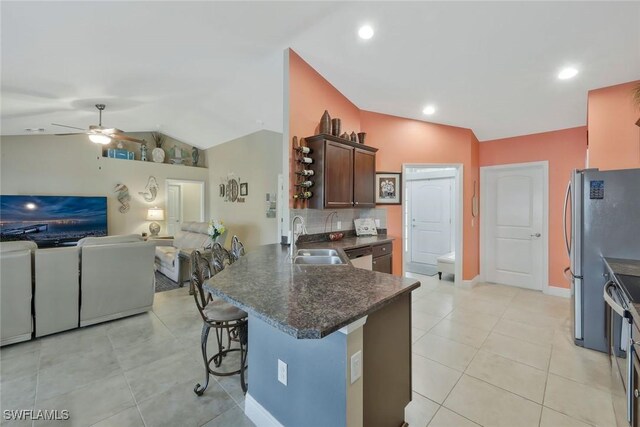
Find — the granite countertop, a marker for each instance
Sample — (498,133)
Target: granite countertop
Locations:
(305,301)
(349,242)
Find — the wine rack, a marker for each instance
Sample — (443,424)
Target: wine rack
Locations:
(304,174)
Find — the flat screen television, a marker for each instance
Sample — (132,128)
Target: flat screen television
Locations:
(52,221)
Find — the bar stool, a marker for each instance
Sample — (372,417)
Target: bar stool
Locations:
(220,254)
(221,316)
(237,249)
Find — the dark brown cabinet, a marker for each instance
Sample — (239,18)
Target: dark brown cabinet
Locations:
(344,173)
(382,258)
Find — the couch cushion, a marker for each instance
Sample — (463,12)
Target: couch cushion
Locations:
(166,255)
(110,240)
(187,239)
(17,246)
(195,227)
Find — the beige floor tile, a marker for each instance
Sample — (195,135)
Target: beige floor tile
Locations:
(19,393)
(473,318)
(434,305)
(137,329)
(486,306)
(161,375)
(525,331)
(149,351)
(460,332)
(420,411)
(179,406)
(423,321)
(447,418)
(22,348)
(94,402)
(61,375)
(488,405)
(510,375)
(551,418)
(532,318)
(77,340)
(431,379)
(521,351)
(450,353)
(185,322)
(20,365)
(129,418)
(587,404)
(582,365)
(416,334)
(232,417)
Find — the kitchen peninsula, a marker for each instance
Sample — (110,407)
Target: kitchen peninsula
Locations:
(344,333)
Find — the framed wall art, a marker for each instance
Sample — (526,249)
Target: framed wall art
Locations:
(388,188)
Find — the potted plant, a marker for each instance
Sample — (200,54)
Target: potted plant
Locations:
(158,153)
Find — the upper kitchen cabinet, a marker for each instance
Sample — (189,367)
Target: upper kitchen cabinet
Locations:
(344,173)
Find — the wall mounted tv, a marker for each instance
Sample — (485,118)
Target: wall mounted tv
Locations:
(52,221)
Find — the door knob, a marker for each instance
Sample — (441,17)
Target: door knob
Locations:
(536,235)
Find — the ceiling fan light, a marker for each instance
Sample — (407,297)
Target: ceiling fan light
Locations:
(99,138)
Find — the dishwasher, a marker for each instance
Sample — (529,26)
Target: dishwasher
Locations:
(361,257)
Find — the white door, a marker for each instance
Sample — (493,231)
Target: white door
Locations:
(431,222)
(513,248)
(174,214)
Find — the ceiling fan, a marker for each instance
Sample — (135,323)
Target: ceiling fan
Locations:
(98,133)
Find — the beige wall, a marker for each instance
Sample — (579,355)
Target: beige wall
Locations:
(257,160)
(54,165)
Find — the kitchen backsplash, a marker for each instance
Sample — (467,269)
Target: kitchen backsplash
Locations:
(314,219)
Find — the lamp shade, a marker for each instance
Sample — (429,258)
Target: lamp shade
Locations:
(155,214)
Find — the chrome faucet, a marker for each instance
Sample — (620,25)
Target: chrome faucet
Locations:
(295,235)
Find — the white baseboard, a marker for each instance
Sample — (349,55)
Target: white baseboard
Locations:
(557,291)
(468,284)
(258,414)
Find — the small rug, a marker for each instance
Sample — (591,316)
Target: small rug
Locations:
(426,269)
(163,283)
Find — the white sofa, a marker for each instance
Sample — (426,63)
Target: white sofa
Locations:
(192,235)
(117,277)
(16,290)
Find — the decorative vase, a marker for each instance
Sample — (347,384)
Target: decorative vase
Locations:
(158,155)
(195,156)
(143,152)
(361,136)
(335,127)
(345,136)
(325,123)
(354,137)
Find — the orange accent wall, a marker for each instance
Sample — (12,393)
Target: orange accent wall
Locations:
(309,95)
(614,138)
(565,150)
(401,140)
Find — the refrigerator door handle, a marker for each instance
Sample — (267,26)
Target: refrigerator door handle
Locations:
(564,220)
(611,301)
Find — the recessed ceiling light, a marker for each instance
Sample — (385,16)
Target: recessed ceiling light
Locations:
(365,32)
(34,129)
(429,110)
(567,73)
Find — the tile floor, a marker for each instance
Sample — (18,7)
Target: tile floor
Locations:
(490,356)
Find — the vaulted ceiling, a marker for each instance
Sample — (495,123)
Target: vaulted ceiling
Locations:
(208,72)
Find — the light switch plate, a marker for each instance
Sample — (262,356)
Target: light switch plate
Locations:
(356,366)
(282,372)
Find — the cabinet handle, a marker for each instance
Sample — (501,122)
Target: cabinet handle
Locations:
(356,203)
(384,249)
(636,393)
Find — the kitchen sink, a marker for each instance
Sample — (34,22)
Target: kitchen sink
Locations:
(317,252)
(319,260)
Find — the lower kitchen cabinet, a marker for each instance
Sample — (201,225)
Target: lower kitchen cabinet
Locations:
(382,258)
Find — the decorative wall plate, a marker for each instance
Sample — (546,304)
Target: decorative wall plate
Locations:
(234,190)
(158,155)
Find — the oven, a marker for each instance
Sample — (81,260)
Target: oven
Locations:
(619,331)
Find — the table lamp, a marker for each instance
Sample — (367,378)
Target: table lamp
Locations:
(155,214)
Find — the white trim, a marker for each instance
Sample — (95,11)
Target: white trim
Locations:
(351,327)
(557,291)
(545,215)
(468,284)
(284,214)
(459,214)
(258,414)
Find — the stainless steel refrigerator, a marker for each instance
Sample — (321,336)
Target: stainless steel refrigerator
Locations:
(605,221)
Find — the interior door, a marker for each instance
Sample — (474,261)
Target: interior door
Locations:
(174,214)
(431,221)
(514,220)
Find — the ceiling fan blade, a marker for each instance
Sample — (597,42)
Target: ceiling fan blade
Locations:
(65,126)
(111,131)
(123,137)
(67,134)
